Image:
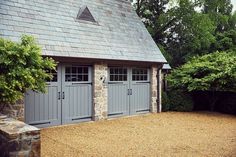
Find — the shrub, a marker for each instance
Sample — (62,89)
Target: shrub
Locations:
(165,102)
(215,72)
(180,101)
(22,68)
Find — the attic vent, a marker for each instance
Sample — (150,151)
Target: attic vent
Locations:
(85,14)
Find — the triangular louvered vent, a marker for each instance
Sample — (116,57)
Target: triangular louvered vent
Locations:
(85,14)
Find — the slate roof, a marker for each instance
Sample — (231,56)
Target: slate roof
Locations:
(118,33)
(166,67)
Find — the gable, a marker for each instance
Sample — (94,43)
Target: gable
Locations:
(85,14)
(120,34)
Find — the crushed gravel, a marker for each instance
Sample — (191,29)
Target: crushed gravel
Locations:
(167,134)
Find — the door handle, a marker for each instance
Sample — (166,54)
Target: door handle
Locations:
(63,95)
(59,95)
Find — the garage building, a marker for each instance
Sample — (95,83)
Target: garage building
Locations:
(108,63)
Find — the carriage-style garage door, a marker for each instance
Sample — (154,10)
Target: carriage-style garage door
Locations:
(68,98)
(128,91)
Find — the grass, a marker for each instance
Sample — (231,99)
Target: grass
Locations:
(165,134)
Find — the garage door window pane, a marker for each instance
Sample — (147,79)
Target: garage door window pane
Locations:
(112,71)
(139,75)
(125,71)
(77,74)
(118,74)
(54,75)
(74,78)
(85,77)
(68,70)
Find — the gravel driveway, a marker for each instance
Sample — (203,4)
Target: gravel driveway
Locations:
(165,134)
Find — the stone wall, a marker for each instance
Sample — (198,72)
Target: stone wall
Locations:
(18,139)
(15,111)
(159,89)
(100,91)
(154,91)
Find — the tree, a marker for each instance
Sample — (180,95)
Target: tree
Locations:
(190,35)
(22,68)
(212,72)
(180,30)
(153,14)
(220,13)
(194,28)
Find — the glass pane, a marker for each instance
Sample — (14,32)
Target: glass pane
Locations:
(116,77)
(145,77)
(138,72)
(54,75)
(141,71)
(73,78)
(74,70)
(85,77)
(120,77)
(79,78)
(141,77)
(120,71)
(68,78)
(125,77)
(116,71)
(145,71)
(68,70)
(54,79)
(85,70)
(111,71)
(125,71)
(80,70)
(133,77)
(111,77)
(138,77)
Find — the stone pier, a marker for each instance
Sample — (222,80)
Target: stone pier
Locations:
(18,139)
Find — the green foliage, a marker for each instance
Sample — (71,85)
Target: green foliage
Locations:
(165,102)
(180,101)
(211,72)
(192,34)
(176,100)
(188,28)
(22,68)
(184,30)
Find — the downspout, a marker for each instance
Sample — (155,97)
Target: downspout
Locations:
(159,88)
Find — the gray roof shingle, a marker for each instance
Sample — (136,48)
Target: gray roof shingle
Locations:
(118,33)
(166,67)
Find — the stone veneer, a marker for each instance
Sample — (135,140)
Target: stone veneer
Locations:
(100,91)
(18,139)
(154,92)
(159,90)
(15,111)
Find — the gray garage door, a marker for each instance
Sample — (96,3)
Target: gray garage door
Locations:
(68,98)
(128,91)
